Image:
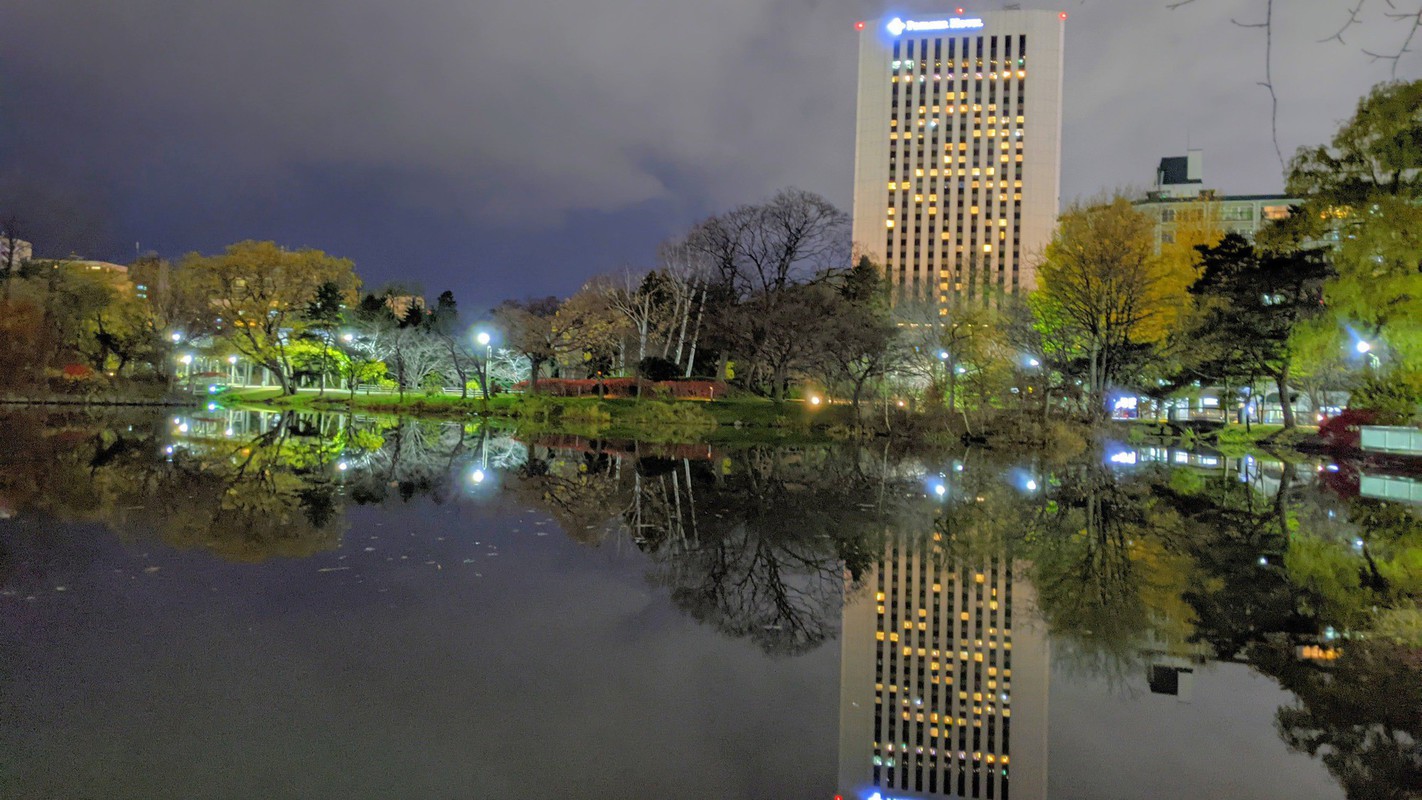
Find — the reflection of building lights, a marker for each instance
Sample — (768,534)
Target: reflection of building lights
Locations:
(168,449)
(227,432)
(183,428)
(187,358)
(939,489)
(1123,457)
(232,359)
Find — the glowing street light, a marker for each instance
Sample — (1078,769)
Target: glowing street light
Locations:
(486,341)
(177,337)
(1363,347)
(814,399)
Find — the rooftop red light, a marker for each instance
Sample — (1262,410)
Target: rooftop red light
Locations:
(859,26)
(1062,15)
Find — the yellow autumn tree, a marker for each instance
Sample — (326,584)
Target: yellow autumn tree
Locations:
(1105,296)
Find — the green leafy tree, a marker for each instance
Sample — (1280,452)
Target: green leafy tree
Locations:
(1362,197)
(262,293)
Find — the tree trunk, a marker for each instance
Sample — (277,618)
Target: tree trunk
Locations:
(1285,402)
(695,334)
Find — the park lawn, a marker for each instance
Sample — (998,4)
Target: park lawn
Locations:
(790,419)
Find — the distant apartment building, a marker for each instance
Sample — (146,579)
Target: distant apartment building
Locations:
(957,167)
(1179,198)
(944,676)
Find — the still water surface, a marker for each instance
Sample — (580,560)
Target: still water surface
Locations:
(234,604)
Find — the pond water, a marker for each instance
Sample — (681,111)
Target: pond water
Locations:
(231,604)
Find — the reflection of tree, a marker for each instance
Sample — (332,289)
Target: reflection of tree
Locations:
(1104,578)
(1236,539)
(1361,715)
(416,458)
(244,500)
(584,491)
(759,547)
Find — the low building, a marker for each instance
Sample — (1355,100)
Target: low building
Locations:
(1179,199)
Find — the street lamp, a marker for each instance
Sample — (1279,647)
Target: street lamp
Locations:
(1365,348)
(485,340)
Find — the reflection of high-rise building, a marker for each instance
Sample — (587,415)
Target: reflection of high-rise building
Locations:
(943,687)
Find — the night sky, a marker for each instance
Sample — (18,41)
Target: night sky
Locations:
(507,149)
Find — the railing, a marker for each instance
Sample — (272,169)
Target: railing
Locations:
(1391,439)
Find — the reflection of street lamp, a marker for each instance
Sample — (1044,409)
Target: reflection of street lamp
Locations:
(187,360)
(484,339)
(232,369)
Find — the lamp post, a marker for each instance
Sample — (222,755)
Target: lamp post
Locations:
(187,361)
(486,340)
(232,369)
(1365,348)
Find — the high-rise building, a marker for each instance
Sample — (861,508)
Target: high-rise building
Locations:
(957,171)
(943,683)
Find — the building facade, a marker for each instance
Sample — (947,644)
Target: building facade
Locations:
(944,677)
(1179,200)
(958,150)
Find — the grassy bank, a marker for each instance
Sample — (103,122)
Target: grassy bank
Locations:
(647,419)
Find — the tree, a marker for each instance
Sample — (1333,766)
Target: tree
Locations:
(1103,291)
(754,256)
(262,292)
(528,328)
(1250,305)
(324,312)
(1363,196)
(444,325)
(857,335)
(642,302)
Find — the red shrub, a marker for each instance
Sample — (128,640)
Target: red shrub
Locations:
(1341,432)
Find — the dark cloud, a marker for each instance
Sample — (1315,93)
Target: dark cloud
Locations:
(504,148)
